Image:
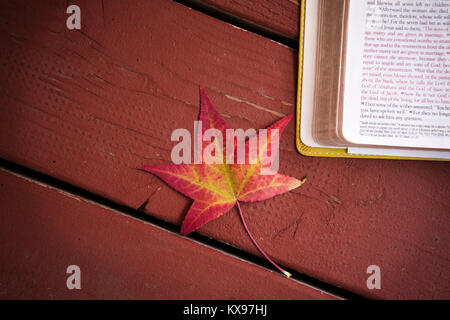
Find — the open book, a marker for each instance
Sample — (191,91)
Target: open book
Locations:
(375,78)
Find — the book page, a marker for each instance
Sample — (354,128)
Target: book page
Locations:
(397,89)
(392,152)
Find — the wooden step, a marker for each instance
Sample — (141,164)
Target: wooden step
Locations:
(88,107)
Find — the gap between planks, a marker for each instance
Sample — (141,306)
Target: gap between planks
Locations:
(84,195)
(240,22)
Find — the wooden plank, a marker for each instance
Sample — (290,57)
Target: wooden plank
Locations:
(279,16)
(89,107)
(43,231)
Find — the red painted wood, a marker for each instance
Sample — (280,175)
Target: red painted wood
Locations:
(280,16)
(88,108)
(43,231)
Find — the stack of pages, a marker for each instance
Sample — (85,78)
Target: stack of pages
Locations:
(374,79)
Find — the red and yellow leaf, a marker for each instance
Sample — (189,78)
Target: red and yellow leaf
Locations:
(215,188)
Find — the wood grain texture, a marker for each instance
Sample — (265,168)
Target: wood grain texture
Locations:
(281,16)
(43,231)
(89,107)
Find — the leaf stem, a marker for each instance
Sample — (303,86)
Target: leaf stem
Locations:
(287,274)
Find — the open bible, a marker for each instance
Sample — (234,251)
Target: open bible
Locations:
(374,78)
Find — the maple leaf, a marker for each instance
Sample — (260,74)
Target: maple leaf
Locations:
(216,188)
